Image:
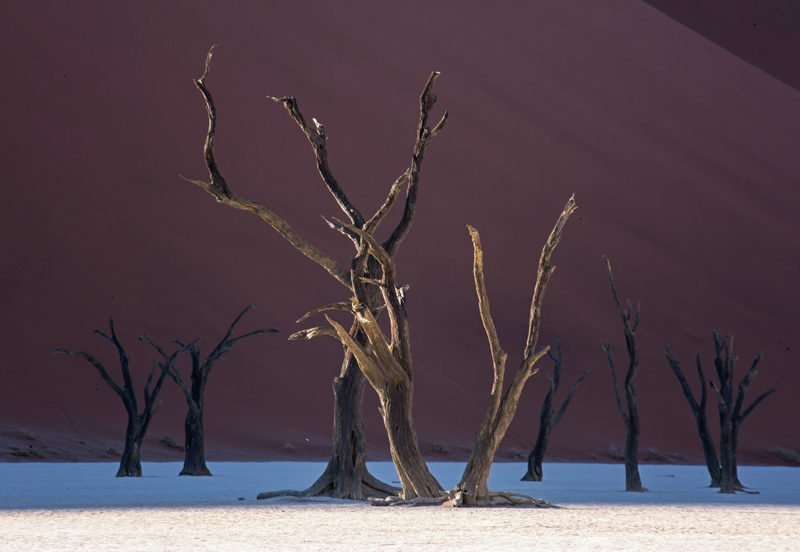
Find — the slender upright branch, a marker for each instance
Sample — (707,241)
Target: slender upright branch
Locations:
(629,411)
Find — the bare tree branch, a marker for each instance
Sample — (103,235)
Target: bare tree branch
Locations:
(394,191)
(218,188)
(424,135)
(319,142)
(499,356)
(545,271)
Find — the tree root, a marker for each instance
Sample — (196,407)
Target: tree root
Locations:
(459,499)
(371,488)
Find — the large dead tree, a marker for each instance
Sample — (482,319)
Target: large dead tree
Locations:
(346,475)
(194,389)
(699,413)
(732,411)
(548,420)
(387,365)
(473,489)
(629,411)
(139,419)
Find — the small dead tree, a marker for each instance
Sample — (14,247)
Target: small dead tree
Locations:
(732,411)
(138,420)
(346,475)
(194,389)
(699,413)
(547,420)
(473,489)
(629,411)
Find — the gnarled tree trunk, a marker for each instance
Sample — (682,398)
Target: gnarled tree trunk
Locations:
(130,464)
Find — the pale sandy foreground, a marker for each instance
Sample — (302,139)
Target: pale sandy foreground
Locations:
(83,506)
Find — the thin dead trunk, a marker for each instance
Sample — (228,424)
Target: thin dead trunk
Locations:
(699,413)
(547,419)
(473,488)
(347,466)
(629,411)
(138,420)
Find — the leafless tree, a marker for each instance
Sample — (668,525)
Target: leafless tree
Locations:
(629,411)
(387,365)
(472,489)
(346,475)
(699,413)
(547,419)
(732,411)
(138,420)
(194,389)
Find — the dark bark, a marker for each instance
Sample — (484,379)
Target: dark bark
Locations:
(473,488)
(732,412)
(346,475)
(194,391)
(138,419)
(547,419)
(130,464)
(699,412)
(629,411)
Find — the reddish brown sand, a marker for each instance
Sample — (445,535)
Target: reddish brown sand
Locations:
(683,158)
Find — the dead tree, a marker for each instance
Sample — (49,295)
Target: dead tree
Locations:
(731,409)
(472,489)
(699,413)
(629,411)
(547,420)
(386,362)
(346,475)
(130,464)
(194,390)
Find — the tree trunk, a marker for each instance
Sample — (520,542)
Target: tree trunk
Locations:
(709,452)
(727,483)
(346,475)
(633,482)
(130,465)
(535,458)
(416,479)
(194,462)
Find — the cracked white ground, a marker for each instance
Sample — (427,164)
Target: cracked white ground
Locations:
(48,506)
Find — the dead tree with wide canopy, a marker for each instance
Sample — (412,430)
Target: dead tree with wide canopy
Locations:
(548,420)
(346,475)
(194,390)
(629,411)
(139,418)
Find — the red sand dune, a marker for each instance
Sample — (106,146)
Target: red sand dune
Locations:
(683,158)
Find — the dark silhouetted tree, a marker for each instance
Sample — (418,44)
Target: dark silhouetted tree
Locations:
(194,390)
(138,418)
(699,413)
(629,410)
(547,419)
(732,411)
